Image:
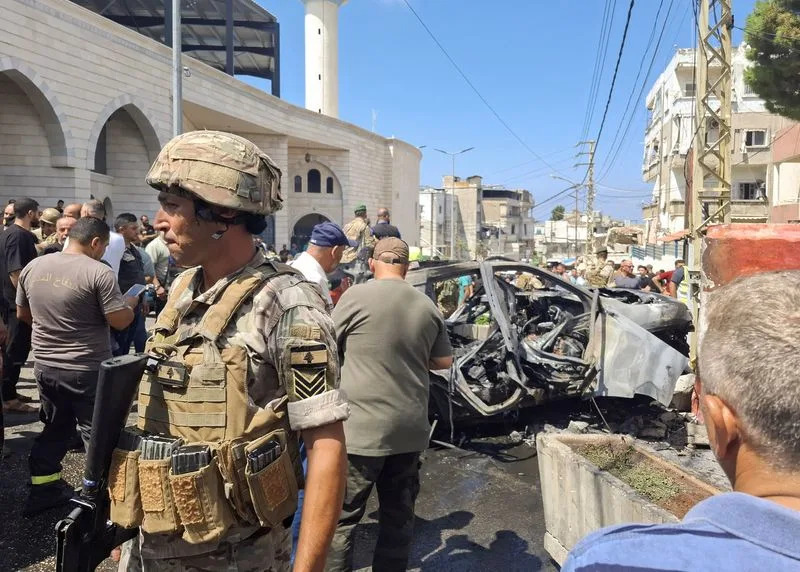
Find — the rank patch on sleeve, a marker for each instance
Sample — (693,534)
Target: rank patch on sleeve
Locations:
(308,364)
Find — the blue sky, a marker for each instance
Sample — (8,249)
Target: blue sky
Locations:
(532,60)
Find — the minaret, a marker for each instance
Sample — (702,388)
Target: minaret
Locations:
(322,56)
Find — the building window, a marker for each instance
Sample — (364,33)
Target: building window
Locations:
(525,229)
(755,138)
(440,209)
(748,191)
(513,229)
(314,181)
(689,89)
(329,185)
(298,184)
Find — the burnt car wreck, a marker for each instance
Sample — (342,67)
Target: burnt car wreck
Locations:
(518,347)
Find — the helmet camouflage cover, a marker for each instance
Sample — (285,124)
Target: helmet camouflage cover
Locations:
(221,168)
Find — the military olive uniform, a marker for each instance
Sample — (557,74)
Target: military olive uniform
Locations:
(447,297)
(528,282)
(598,273)
(244,364)
(359,231)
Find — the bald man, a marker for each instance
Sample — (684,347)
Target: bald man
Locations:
(73,210)
(383,227)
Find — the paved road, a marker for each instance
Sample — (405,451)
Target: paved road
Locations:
(478,509)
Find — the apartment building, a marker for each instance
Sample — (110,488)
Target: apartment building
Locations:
(669,136)
(487,220)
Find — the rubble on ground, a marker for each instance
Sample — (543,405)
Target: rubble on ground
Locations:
(682,396)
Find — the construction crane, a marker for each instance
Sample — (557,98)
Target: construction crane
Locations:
(709,201)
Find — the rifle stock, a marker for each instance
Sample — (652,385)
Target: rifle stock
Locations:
(86,537)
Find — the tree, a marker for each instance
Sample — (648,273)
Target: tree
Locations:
(772,34)
(557,213)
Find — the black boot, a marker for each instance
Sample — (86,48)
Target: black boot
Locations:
(44,497)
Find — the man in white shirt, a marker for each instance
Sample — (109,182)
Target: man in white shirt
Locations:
(323,255)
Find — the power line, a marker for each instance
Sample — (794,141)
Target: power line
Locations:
(616,69)
(599,64)
(529,161)
(555,196)
(618,141)
(475,89)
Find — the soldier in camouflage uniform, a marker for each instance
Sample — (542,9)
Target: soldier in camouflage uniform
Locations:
(526,281)
(447,296)
(598,273)
(214,190)
(358,230)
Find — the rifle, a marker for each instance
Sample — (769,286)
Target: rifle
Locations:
(86,537)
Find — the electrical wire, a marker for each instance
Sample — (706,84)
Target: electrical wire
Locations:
(599,65)
(616,70)
(475,89)
(614,153)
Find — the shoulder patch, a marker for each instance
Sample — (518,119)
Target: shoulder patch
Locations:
(307,366)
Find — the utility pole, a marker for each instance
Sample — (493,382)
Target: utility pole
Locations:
(589,197)
(177,70)
(575,222)
(453,199)
(711,155)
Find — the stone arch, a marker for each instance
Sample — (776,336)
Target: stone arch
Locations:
(302,225)
(45,101)
(137,111)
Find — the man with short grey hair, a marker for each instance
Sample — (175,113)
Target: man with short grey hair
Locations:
(749,396)
(116,244)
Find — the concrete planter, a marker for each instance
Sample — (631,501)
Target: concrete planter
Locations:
(580,498)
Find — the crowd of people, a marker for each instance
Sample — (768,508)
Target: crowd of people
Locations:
(63,268)
(292,409)
(604,273)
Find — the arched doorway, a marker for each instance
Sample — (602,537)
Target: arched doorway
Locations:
(121,158)
(302,229)
(32,144)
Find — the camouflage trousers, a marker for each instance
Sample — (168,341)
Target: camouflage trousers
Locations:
(269,552)
(397,479)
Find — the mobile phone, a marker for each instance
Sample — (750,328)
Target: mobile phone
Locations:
(135,291)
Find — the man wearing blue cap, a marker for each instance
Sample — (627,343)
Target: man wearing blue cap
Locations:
(323,255)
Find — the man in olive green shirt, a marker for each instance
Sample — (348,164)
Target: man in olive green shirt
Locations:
(389,337)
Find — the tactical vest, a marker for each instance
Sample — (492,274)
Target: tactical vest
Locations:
(196,390)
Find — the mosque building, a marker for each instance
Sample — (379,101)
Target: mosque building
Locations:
(86,104)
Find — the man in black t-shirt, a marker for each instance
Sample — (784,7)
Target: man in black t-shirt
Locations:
(17,249)
(131,272)
(384,226)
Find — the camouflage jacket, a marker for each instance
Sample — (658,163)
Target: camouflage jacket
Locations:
(358,230)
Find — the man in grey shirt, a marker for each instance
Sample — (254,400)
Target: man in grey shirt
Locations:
(389,336)
(70,299)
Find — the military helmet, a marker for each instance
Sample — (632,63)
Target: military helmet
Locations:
(220,168)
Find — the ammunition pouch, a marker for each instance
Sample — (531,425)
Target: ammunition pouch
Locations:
(273,489)
(160,512)
(200,499)
(123,488)
(205,503)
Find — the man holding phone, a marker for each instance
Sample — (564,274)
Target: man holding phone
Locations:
(131,277)
(70,300)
